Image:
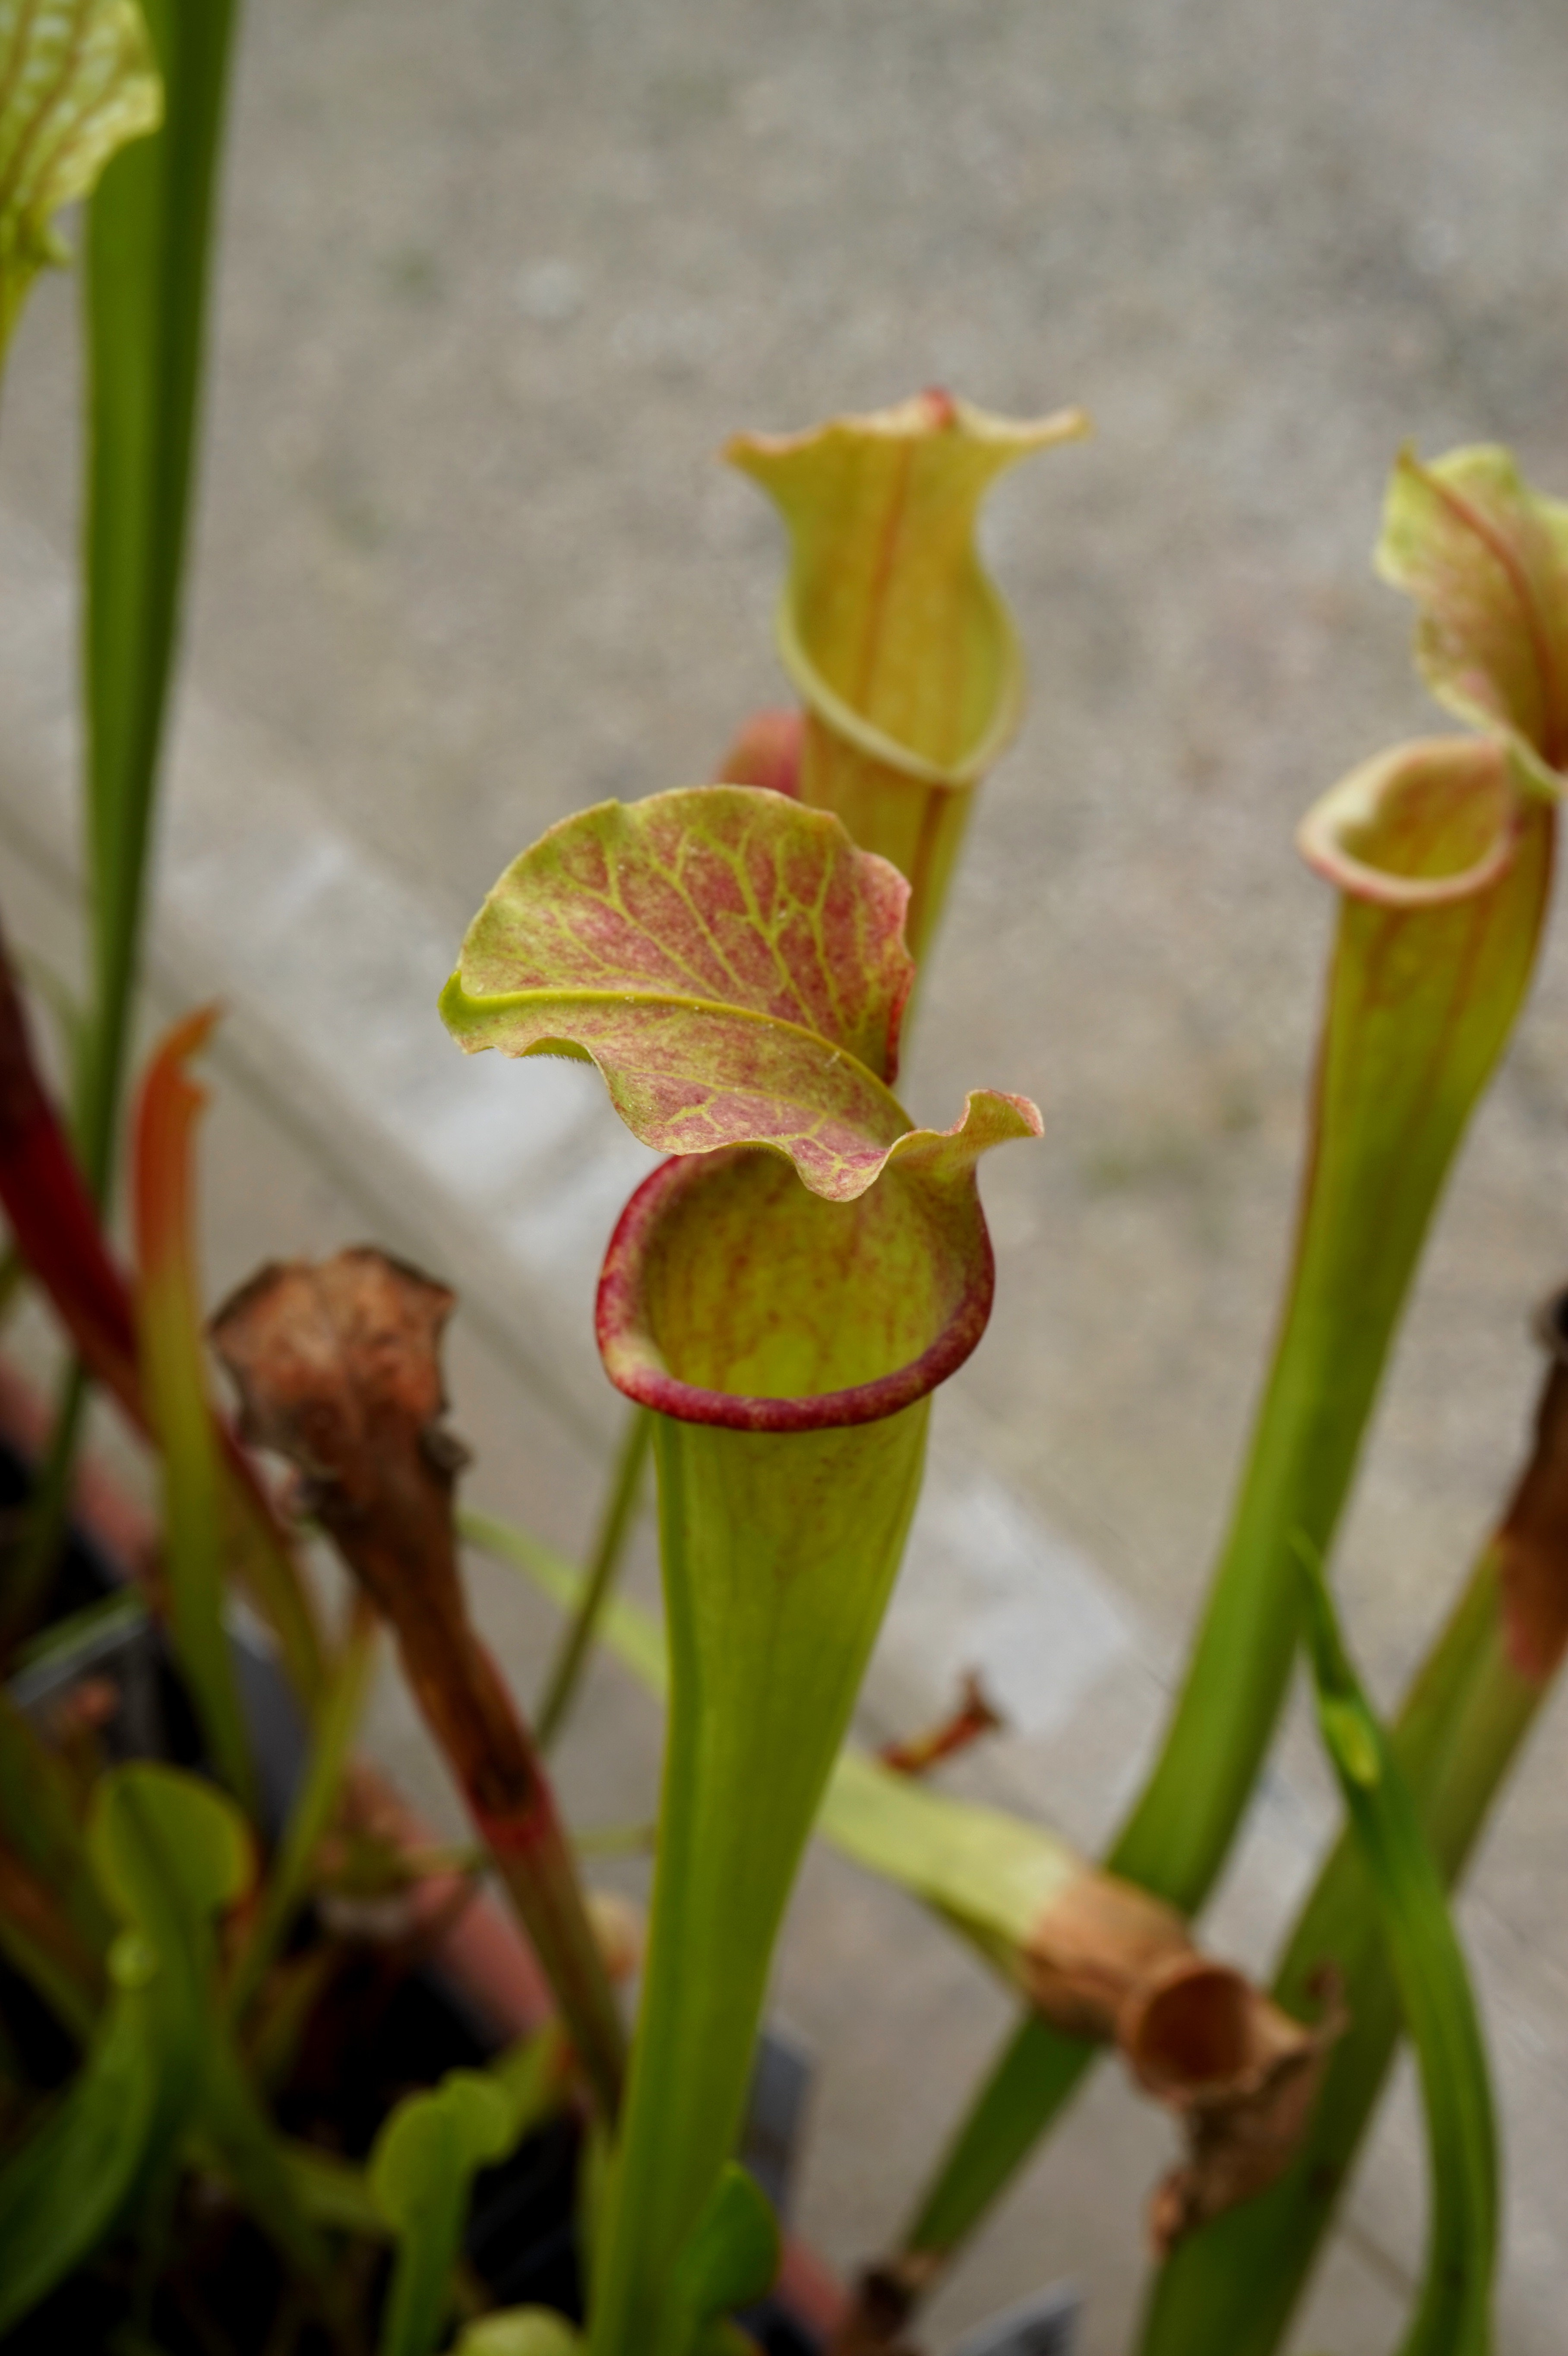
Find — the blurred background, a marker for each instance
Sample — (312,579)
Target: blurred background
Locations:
(496,283)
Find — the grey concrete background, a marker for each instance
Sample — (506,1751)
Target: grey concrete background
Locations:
(497,281)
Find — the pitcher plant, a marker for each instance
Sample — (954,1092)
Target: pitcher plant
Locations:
(779,1303)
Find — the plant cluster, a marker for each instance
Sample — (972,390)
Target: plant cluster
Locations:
(779,1303)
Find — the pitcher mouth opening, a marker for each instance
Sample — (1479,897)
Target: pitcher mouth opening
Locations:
(662,1258)
(1432,822)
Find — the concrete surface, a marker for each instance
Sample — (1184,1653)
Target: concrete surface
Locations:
(498,281)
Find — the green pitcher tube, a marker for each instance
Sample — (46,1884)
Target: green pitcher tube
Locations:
(790,1346)
(1444,853)
(1444,866)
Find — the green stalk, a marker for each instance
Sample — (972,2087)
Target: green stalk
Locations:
(779,1553)
(620,1509)
(1035,2073)
(1444,869)
(1235,2284)
(1421,1000)
(1467,1715)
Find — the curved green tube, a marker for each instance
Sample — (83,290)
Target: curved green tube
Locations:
(1444,859)
(790,1345)
(779,1555)
(1445,868)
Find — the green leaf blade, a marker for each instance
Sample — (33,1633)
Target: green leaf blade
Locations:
(1454,2315)
(147,256)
